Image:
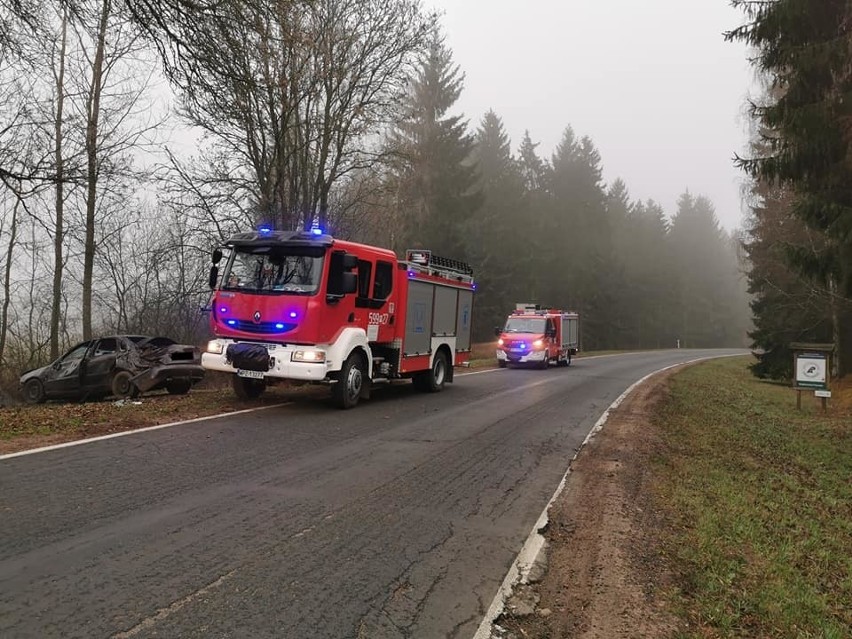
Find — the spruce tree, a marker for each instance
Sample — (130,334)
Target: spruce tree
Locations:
(436,174)
(802,49)
(497,253)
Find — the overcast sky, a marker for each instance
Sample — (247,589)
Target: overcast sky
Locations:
(652,82)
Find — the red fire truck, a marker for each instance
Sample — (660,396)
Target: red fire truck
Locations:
(535,335)
(305,306)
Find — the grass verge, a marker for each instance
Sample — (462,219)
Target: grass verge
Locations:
(759,499)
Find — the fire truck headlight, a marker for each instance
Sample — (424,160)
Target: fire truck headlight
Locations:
(538,343)
(500,342)
(312,356)
(215,346)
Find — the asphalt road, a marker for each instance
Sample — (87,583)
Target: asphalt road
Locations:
(399,518)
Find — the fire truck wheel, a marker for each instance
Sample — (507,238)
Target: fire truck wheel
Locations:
(501,363)
(432,381)
(245,388)
(122,386)
(545,363)
(347,390)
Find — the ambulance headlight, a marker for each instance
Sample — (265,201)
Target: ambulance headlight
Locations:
(215,346)
(538,343)
(311,356)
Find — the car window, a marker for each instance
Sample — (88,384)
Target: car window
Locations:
(78,352)
(106,346)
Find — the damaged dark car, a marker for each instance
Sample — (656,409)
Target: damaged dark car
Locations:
(118,365)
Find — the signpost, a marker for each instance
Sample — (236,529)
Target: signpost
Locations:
(811,365)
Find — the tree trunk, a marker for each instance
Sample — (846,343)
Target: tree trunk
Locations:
(59,236)
(93,113)
(7,280)
(836,364)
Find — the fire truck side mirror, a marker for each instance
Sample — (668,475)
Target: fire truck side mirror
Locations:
(342,280)
(217,255)
(214,275)
(497,331)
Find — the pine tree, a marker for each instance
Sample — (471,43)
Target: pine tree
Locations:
(436,175)
(580,237)
(497,253)
(802,49)
(707,276)
(535,233)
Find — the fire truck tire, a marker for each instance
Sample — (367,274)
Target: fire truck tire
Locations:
(433,380)
(122,386)
(545,363)
(245,388)
(501,363)
(349,387)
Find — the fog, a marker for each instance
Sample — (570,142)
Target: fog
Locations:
(653,83)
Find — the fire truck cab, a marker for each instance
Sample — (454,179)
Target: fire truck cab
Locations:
(305,306)
(538,336)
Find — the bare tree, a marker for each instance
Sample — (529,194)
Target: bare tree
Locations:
(59,228)
(116,116)
(293,94)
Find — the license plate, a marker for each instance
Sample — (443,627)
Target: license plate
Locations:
(516,350)
(251,374)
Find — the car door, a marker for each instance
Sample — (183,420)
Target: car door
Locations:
(67,372)
(97,367)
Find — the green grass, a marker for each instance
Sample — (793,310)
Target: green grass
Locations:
(759,496)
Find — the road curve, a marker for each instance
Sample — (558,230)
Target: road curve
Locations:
(396,519)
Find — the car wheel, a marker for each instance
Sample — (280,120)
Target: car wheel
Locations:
(122,386)
(247,388)
(34,391)
(178,386)
(347,391)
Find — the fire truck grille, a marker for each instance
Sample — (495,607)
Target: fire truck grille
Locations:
(261,327)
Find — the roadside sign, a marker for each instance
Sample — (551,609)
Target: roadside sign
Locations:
(822,393)
(811,370)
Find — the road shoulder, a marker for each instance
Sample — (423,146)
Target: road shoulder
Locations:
(604,577)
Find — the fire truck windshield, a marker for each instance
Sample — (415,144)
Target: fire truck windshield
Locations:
(525,325)
(271,270)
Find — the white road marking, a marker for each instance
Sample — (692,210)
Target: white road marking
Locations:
(80,442)
(162,613)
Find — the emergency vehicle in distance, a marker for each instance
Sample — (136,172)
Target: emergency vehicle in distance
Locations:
(305,306)
(535,335)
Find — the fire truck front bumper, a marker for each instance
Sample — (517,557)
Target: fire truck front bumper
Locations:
(258,360)
(521,357)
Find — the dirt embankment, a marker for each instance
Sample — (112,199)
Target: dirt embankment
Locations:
(605,577)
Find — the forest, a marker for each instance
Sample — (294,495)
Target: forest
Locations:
(137,135)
